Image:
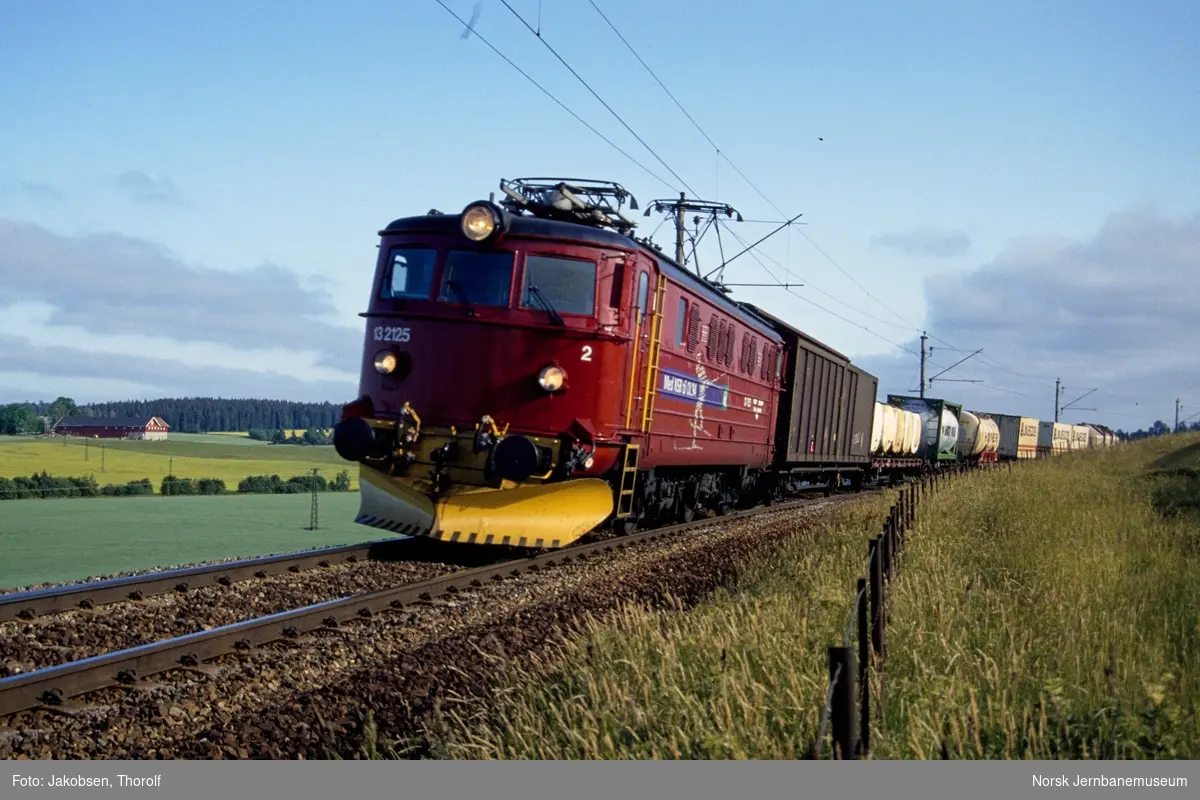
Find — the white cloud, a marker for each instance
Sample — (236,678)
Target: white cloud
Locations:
(1116,312)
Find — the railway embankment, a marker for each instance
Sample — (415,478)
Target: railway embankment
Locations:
(385,677)
(1050,611)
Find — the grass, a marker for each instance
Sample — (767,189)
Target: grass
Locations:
(185,455)
(67,540)
(1050,612)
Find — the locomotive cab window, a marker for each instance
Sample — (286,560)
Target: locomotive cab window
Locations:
(681,323)
(566,285)
(409,274)
(643,293)
(477,279)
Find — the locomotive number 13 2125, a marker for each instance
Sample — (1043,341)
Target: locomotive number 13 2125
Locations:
(384,333)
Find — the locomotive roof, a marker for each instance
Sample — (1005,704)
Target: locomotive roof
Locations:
(538,227)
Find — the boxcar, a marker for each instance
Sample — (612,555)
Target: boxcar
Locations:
(826,408)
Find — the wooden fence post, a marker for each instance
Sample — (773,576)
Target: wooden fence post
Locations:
(876,576)
(841,708)
(885,550)
(864,660)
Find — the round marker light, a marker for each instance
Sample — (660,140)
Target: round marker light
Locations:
(478,222)
(552,379)
(385,362)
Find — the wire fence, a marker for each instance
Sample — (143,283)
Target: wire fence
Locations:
(844,731)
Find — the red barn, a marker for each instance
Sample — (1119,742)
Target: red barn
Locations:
(113,427)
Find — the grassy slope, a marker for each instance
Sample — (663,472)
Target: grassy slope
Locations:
(224,457)
(1050,612)
(65,540)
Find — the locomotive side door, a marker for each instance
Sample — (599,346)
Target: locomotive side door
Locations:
(643,353)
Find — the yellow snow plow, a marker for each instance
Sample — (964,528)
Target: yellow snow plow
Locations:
(540,515)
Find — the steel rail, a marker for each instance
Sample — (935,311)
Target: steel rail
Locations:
(89,594)
(51,686)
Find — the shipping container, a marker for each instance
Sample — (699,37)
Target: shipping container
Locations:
(1079,437)
(1096,438)
(1054,438)
(939,425)
(1018,436)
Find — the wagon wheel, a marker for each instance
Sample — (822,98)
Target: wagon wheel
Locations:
(625,527)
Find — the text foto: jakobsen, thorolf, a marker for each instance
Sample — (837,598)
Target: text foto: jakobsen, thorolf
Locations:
(59,781)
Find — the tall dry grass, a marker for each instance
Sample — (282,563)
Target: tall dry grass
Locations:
(1049,612)
(1052,614)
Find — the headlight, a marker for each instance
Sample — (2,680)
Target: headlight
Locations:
(385,362)
(552,379)
(478,222)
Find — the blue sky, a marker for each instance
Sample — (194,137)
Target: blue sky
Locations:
(200,185)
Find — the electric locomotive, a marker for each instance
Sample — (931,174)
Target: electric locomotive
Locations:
(531,372)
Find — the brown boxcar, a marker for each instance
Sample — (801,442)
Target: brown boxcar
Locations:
(826,406)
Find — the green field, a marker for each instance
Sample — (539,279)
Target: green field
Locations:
(1050,612)
(229,458)
(67,540)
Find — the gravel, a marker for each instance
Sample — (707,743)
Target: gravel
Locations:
(74,635)
(152,570)
(309,698)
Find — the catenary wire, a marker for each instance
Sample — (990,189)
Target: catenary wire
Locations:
(547,92)
(597,96)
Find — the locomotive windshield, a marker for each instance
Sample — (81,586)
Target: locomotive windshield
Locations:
(566,285)
(410,273)
(477,279)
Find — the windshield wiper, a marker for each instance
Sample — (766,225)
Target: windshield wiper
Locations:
(457,287)
(546,304)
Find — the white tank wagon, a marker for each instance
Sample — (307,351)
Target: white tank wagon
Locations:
(903,433)
(913,445)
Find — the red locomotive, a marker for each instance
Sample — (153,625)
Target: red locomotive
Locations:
(532,372)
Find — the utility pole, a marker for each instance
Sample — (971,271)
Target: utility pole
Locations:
(923,338)
(1177,407)
(678,208)
(1057,396)
(679,230)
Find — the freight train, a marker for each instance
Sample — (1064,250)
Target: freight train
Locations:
(532,372)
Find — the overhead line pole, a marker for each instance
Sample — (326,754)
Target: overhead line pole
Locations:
(923,338)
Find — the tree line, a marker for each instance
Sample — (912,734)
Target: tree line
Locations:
(184,415)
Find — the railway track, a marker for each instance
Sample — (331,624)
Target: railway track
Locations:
(52,688)
(92,594)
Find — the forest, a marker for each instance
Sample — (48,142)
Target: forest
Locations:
(184,415)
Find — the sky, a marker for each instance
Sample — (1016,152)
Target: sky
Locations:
(191,193)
